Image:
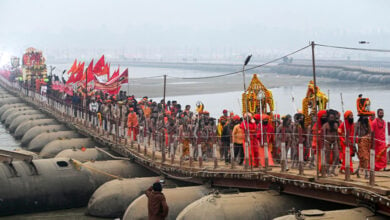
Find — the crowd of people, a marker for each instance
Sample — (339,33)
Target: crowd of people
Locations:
(269,135)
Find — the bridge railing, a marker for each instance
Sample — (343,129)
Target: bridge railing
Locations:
(195,149)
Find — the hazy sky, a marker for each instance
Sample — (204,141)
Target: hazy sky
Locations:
(193,25)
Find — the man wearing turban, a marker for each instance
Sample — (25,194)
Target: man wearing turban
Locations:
(317,141)
(265,135)
(346,130)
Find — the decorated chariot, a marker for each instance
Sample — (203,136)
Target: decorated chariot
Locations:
(257,98)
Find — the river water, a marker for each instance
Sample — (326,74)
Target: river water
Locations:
(6,139)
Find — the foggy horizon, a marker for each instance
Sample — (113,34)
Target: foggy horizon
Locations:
(177,30)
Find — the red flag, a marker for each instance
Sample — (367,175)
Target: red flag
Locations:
(113,88)
(80,73)
(90,75)
(74,67)
(99,67)
(73,74)
(106,70)
(115,74)
(120,79)
(114,91)
(124,76)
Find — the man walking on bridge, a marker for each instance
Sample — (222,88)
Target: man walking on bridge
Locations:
(379,129)
(132,124)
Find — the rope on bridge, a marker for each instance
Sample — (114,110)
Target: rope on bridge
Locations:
(78,164)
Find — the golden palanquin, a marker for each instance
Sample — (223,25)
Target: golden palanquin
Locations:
(308,103)
(257,97)
(33,64)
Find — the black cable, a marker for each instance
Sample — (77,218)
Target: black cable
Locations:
(240,71)
(353,48)
(147,77)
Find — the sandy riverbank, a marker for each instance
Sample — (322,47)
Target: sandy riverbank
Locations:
(178,87)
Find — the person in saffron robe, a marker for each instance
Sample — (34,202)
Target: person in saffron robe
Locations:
(265,135)
(346,127)
(363,135)
(185,136)
(249,126)
(238,135)
(317,131)
(132,124)
(379,129)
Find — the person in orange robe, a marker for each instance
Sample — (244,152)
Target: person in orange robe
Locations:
(379,128)
(317,133)
(132,124)
(265,135)
(346,127)
(371,118)
(253,148)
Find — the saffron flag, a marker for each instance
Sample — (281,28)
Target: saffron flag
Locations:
(114,76)
(106,70)
(89,73)
(100,67)
(124,76)
(74,67)
(79,73)
(120,79)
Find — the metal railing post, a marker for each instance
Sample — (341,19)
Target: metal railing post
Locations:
(372,160)
(283,156)
(246,155)
(163,149)
(233,164)
(181,154)
(172,151)
(191,155)
(215,156)
(200,157)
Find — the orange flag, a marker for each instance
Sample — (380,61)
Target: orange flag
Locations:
(74,67)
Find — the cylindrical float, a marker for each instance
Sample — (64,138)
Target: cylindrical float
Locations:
(116,168)
(14,115)
(112,198)
(9,106)
(177,199)
(22,118)
(27,125)
(251,205)
(41,140)
(53,148)
(84,155)
(40,129)
(13,110)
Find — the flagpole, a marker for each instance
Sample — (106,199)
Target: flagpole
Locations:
(86,92)
(128,83)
